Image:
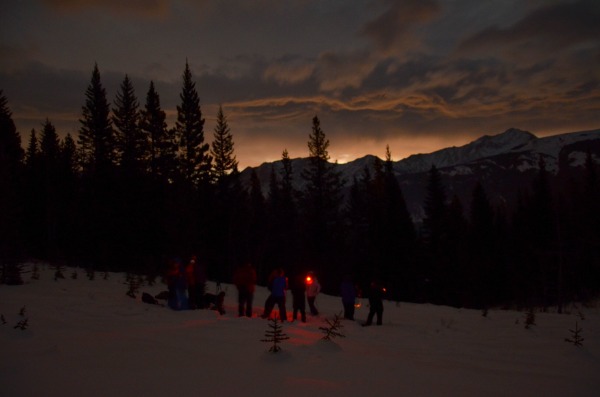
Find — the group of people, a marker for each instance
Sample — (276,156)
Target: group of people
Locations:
(303,289)
(187,282)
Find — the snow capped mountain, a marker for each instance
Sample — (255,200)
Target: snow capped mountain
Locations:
(486,146)
(503,163)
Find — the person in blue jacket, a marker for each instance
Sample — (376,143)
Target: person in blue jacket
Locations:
(277,297)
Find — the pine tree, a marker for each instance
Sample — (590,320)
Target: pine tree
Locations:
(69,206)
(33,151)
(483,274)
(257,222)
(358,217)
(68,155)
(34,196)
(11,173)
(435,238)
(162,147)
(96,138)
(287,172)
(130,139)
(399,216)
(576,337)
(275,335)
(11,152)
(222,148)
(435,208)
(282,216)
(52,186)
(396,234)
(49,145)
(194,159)
(321,198)
(333,328)
(543,226)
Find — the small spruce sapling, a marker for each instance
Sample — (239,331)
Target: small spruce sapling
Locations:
(22,325)
(333,329)
(134,285)
(529,318)
(35,272)
(275,335)
(576,339)
(58,273)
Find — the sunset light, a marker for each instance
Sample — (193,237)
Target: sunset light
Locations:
(415,75)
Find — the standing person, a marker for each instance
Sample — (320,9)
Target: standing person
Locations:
(269,301)
(298,288)
(171,280)
(190,278)
(312,290)
(199,282)
(244,279)
(376,292)
(278,289)
(176,283)
(348,293)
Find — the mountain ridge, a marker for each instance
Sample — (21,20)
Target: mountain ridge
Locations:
(503,162)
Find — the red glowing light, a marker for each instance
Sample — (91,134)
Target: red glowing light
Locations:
(308,280)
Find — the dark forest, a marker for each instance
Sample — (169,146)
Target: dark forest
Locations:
(130,192)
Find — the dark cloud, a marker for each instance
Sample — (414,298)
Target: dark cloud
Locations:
(129,8)
(551,27)
(392,30)
(419,75)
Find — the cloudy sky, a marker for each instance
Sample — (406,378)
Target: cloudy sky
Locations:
(418,75)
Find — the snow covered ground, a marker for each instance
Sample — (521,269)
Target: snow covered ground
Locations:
(88,338)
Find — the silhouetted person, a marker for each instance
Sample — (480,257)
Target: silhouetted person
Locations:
(312,290)
(199,282)
(190,279)
(348,293)
(376,292)
(298,288)
(244,279)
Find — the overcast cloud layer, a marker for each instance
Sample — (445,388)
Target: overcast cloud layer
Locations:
(418,75)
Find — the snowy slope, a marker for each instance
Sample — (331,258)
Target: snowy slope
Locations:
(87,338)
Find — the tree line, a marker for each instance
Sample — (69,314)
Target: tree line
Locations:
(128,193)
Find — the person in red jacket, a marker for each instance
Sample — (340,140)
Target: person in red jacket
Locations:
(244,279)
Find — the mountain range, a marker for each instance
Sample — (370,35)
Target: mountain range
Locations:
(504,163)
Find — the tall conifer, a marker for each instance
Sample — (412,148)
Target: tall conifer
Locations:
(162,148)
(131,142)
(222,147)
(322,200)
(96,138)
(194,159)
(11,171)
